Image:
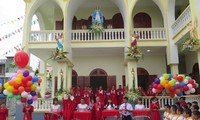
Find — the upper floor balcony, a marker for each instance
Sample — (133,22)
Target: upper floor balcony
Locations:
(181,25)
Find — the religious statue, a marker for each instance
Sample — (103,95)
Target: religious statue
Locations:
(97,16)
(134,37)
(59,42)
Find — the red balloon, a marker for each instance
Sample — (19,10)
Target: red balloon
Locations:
(21,59)
(24,80)
(16,86)
(179,86)
(191,81)
(180,78)
(155,86)
(160,87)
(29,78)
(15,92)
(185,88)
(27,89)
(194,86)
(171,89)
(23,99)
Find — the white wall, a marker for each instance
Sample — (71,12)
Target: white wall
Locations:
(113,65)
(154,64)
(190,60)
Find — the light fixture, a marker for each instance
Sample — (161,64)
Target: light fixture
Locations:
(61,72)
(132,71)
(148,50)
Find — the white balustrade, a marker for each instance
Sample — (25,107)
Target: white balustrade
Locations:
(150,33)
(42,104)
(182,20)
(44,35)
(108,34)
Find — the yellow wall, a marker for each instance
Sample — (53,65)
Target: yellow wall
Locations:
(154,64)
(113,65)
(85,13)
(190,60)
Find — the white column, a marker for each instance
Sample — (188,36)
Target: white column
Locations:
(174,69)
(54,66)
(69,78)
(42,74)
(132,65)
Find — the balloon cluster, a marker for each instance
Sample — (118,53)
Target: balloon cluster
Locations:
(174,85)
(0,85)
(23,87)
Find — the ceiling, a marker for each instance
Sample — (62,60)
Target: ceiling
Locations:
(101,3)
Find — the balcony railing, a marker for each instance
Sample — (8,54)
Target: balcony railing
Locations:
(150,33)
(182,20)
(44,35)
(108,34)
(42,105)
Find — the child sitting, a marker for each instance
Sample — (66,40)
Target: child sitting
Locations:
(195,115)
(179,115)
(187,114)
(173,112)
(167,111)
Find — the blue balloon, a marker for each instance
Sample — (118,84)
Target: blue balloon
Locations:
(2,96)
(182,84)
(35,79)
(30,101)
(1,80)
(157,81)
(175,86)
(170,76)
(180,94)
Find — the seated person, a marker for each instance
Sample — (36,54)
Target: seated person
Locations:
(195,115)
(55,107)
(195,108)
(187,114)
(179,115)
(173,112)
(82,107)
(139,106)
(167,111)
(194,103)
(110,105)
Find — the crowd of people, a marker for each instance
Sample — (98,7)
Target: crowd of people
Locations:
(182,111)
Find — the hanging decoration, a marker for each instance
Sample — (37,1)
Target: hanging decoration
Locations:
(13,21)
(97,22)
(174,85)
(134,52)
(11,50)
(193,40)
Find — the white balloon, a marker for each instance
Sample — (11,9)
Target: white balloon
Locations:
(0,84)
(161,78)
(185,81)
(29,97)
(190,86)
(154,90)
(177,82)
(19,102)
(187,92)
(24,94)
(192,90)
(5,92)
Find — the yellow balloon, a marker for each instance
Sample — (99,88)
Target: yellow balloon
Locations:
(171,83)
(20,76)
(162,82)
(10,88)
(166,76)
(33,87)
(6,85)
(18,80)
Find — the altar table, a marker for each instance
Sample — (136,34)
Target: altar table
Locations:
(83,115)
(107,113)
(141,113)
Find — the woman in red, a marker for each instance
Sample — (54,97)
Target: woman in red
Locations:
(69,103)
(120,95)
(98,108)
(28,109)
(113,95)
(86,95)
(154,107)
(100,94)
(107,96)
(3,112)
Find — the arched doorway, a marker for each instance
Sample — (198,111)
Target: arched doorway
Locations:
(118,21)
(74,78)
(98,77)
(195,75)
(142,20)
(143,78)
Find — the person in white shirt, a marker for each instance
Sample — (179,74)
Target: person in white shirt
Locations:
(179,114)
(167,112)
(110,106)
(82,107)
(55,107)
(139,106)
(126,109)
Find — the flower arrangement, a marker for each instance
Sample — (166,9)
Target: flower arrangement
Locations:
(58,54)
(189,44)
(96,28)
(134,52)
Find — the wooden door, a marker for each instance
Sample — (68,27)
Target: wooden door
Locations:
(142,20)
(86,81)
(80,81)
(118,21)
(123,80)
(59,25)
(111,80)
(56,83)
(151,79)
